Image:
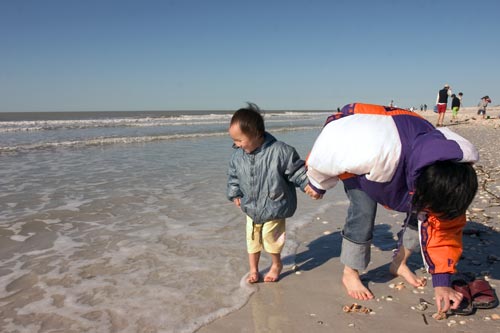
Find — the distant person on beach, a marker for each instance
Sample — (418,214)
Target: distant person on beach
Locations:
(425,107)
(456,102)
(483,103)
(396,158)
(442,103)
(262,176)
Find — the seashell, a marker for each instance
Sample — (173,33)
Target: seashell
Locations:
(421,306)
(400,286)
(326,232)
(365,310)
(392,285)
(356,308)
(476,209)
(495,316)
(439,315)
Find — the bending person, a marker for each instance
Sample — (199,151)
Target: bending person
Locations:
(398,159)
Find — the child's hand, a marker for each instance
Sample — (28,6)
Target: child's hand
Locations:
(237,201)
(312,193)
(443,297)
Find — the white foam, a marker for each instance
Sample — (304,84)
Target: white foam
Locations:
(22,238)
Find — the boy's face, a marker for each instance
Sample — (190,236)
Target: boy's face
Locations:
(241,140)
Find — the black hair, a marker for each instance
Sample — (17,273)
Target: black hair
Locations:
(250,120)
(445,188)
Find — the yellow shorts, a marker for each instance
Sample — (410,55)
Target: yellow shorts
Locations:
(273,236)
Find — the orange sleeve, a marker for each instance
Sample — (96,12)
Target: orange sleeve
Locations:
(441,242)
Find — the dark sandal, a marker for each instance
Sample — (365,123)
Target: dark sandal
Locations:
(483,296)
(465,307)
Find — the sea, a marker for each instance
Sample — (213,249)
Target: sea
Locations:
(118,221)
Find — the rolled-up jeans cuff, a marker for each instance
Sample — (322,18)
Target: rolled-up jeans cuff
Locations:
(411,240)
(355,255)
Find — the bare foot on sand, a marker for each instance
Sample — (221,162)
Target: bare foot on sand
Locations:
(253,277)
(274,273)
(398,267)
(355,288)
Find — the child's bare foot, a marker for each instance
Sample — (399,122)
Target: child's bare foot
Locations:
(253,277)
(274,273)
(401,269)
(354,286)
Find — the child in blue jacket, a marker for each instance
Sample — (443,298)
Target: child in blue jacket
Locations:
(262,176)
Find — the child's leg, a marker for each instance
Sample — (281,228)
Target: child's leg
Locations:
(254,247)
(273,237)
(276,267)
(400,268)
(253,260)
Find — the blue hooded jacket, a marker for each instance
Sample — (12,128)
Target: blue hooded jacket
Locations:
(265,180)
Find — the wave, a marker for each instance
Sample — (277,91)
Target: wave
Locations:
(101,141)
(179,120)
(40,125)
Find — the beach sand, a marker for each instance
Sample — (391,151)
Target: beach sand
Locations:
(310,296)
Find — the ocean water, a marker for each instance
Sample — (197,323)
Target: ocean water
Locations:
(118,221)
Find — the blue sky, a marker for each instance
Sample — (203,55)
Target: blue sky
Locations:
(99,55)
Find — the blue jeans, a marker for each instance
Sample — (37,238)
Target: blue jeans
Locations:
(358,229)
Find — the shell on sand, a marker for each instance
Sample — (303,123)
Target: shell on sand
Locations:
(356,308)
(439,315)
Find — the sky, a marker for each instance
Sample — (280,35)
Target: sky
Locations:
(120,55)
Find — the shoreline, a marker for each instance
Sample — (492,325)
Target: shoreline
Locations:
(310,296)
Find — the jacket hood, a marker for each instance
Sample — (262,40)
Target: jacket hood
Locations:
(268,140)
